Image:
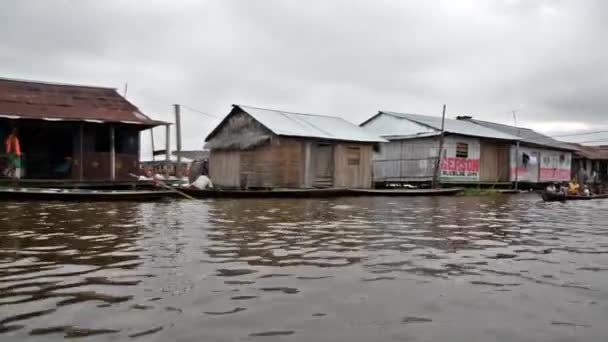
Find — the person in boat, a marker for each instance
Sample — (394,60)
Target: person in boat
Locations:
(586,191)
(573,188)
(563,189)
(551,188)
(13,152)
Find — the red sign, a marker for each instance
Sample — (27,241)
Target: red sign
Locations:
(459,164)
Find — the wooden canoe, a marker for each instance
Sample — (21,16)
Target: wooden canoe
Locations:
(55,194)
(315,193)
(555,197)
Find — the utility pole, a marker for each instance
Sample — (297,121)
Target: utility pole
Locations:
(517,165)
(516,149)
(126,88)
(167,149)
(152,141)
(178,138)
(440,152)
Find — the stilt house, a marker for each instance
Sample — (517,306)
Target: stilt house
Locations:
(255,148)
(590,163)
(471,153)
(541,159)
(72,132)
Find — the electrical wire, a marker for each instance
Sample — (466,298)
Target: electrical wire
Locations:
(199,111)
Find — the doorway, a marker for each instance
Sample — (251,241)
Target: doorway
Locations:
(323,165)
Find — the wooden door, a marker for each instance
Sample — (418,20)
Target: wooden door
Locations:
(494,162)
(322,165)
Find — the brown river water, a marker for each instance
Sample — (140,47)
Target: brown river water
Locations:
(508,268)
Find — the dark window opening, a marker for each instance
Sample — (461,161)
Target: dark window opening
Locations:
(127,140)
(102,139)
(462,150)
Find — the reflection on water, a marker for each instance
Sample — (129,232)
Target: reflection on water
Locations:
(351,269)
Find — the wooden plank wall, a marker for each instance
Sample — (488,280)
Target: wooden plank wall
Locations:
(278,164)
(494,162)
(224,168)
(347,174)
(406,160)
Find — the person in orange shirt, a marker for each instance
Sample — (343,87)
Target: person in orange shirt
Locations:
(13,151)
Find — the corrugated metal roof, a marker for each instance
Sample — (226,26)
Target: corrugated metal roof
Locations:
(309,125)
(527,135)
(591,152)
(64,102)
(454,126)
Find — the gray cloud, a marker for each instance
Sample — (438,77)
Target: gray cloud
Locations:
(348,58)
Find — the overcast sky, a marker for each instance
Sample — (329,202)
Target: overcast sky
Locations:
(546,59)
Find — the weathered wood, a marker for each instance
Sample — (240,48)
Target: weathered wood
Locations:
(112,153)
(353,166)
(405,160)
(494,161)
(224,168)
(323,165)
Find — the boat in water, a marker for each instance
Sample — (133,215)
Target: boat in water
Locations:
(314,193)
(59,194)
(561,197)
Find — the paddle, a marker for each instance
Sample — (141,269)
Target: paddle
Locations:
(162,184)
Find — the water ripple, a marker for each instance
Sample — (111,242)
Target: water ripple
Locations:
(76,270)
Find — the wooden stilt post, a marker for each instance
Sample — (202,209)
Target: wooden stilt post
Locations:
(178,140)
(112,153)
(81,152)
(167,149)
(152,142)
(517,165)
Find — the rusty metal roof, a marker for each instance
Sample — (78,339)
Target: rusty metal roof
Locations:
(591,152)
(20,99)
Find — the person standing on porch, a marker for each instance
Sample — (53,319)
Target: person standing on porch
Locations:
(13,151)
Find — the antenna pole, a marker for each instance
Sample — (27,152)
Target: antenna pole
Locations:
(439,152)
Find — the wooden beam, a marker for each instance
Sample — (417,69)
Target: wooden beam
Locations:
(112,153)
(81,152)
(178,139)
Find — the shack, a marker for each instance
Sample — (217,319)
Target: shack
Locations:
(590,164)
(72,132)
(255,148)
(541,159)
(471,153)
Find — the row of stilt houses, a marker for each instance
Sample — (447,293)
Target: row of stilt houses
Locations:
(263,148)
(85,133)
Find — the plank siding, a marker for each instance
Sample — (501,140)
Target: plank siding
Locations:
(274,165)
(224,168)
(494,161)
(405,160)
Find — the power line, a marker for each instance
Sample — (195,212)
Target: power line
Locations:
(592,141)
(577,134)
(199,111)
